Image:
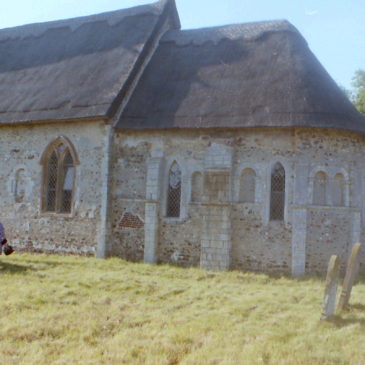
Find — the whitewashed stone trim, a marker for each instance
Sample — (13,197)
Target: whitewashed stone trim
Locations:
(299,239)
(346,177)
(103,229)
(191,186)
(331,172)
(356,227)
(312,177)
(155,165)
(151,232)
(301,183)
(237,181)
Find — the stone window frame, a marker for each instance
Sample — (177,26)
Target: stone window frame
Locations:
(13,182)
(190,192)
(239,184)
(282,193)
(259,170)
(312,175)
(267,190)
(184,189)
(331,172)
(325,187)
(44,162)
(346,191)
(336,183)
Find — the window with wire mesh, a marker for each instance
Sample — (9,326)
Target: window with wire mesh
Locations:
(52,172)
(277,198)
(320,188)
(174,191)
(58,180)
(247,186)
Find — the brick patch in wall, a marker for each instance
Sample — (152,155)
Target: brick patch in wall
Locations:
(131,221)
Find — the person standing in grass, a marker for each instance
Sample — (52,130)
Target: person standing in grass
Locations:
(2,237)
(4,242)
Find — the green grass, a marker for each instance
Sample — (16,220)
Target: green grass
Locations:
(76,310)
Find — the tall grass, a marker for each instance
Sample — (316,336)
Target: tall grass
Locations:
(75,310)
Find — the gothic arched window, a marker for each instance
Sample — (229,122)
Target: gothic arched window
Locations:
(320,188)
(277,194)
(174,191)
(59,161)
(247,186)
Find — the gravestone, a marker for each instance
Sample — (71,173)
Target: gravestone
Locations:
(351,271)
(330,291)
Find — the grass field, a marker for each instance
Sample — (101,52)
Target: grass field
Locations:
(74,310)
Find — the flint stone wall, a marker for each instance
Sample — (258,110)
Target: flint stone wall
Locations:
(256,242)
(26,226)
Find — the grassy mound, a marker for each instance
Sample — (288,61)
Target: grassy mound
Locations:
(75,310)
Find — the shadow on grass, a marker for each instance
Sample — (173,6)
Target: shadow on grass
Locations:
(358,306)
(314,277)
(27,264)
(340,322)
(9,268)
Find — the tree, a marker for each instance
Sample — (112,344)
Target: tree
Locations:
(358,82)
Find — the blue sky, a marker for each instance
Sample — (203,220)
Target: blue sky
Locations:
(334,29)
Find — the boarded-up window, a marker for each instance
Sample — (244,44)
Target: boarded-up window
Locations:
(338,190)
(59,177)
(197,187)
(174,191)
(277,196)
(247,186)
(320,188)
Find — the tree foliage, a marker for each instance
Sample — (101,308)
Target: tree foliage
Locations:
(358,82)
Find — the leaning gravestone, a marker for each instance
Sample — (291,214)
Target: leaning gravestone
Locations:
(330,292)
(351,271)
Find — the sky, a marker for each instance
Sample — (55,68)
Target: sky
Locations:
(334,29)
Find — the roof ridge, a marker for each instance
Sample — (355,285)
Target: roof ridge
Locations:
(249,31)
(112,17)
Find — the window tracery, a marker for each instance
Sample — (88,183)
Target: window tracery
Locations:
(277,196)
(174,191)
(59,161)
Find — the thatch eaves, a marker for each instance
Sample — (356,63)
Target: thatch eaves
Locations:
(248,75)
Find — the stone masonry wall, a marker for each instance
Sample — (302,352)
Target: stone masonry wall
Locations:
(26,226)
(258,247)
(180,240)
(128,193)
(256,242)
(329,233)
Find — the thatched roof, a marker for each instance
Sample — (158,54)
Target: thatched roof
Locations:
(250,75)
(75,68)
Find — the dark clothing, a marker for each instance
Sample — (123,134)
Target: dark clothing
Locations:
(2,232)
(2,238)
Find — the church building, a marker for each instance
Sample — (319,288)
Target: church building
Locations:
(227,148)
